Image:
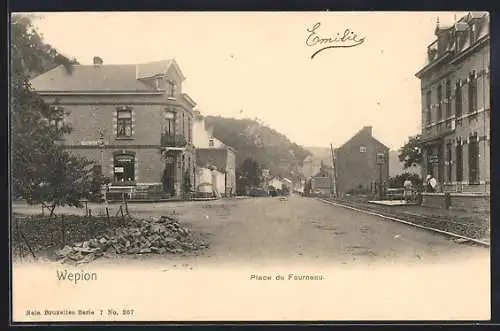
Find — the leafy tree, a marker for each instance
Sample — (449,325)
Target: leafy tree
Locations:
(411,153)
(250,172)
(67,179)
(42,171)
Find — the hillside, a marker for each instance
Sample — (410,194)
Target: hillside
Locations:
(271,149)
(321,154)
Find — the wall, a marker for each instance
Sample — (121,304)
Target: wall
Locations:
(91,115)
(213,177)
(231,172)
(201,136)
(458,201)
(276,184)
(311,168)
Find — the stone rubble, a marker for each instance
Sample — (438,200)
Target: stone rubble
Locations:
(140,236)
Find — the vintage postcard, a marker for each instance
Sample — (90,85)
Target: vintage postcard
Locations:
(250,166)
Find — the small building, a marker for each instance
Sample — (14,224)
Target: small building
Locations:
(276,183)
(357,169)
(218,161)
(215,153)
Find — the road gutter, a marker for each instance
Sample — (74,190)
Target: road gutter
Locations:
(480,242)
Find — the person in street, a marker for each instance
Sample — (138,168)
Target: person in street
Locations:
(431,184)
(407,185)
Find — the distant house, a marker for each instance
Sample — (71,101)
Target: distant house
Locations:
(311,165)
(356,167)
(214,157)
(276,183)
(322,182)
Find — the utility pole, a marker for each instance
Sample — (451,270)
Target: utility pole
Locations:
(334,179)
(380,162)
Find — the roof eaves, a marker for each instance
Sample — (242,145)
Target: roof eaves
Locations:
(177,67)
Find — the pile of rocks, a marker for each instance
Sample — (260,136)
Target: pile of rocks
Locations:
(139,236)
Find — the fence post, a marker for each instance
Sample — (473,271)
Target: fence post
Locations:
(63,231)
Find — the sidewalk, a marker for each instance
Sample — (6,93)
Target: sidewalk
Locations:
(473,225)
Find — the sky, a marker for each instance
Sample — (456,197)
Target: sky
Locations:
(258,65)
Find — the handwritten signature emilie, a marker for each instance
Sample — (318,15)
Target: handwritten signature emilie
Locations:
(345,39)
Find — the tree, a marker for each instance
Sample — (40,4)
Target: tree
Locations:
(411,153)
(250,173)
(398,180)
(66,180)
(42,171)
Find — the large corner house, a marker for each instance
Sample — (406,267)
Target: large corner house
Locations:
(134,120)
(455,87)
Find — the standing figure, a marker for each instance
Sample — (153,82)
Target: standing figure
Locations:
(407,185)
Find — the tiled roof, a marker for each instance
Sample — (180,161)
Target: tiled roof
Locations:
(212,156)
(103,78)
(368,133)
(91,78)
(146,70)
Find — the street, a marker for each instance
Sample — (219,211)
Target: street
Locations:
(377,268)
(307,230)
(298,230)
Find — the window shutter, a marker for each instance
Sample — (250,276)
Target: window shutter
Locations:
(133,122)
(136,168)
(115,124)
(112,168)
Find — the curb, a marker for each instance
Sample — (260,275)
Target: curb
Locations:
(482,243)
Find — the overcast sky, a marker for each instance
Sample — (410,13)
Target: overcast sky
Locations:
(259,63)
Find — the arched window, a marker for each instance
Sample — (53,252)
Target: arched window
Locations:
(124,168)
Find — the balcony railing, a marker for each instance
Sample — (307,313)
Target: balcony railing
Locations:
(439,130)
(433,51)
(168,140)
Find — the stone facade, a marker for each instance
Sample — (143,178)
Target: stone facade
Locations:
(94,98)
(455,87)
(356,167)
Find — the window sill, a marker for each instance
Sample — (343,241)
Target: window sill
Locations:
(124,138)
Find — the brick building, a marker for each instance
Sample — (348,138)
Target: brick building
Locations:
(455,87)
(356,167)
(134,120)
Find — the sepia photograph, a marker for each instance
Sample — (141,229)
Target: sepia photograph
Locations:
(249,166)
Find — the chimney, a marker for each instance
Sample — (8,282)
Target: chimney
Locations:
(367,130)
(97,61)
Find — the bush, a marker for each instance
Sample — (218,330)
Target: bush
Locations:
(398,180)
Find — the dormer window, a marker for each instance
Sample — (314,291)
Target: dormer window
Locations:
(472,33)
